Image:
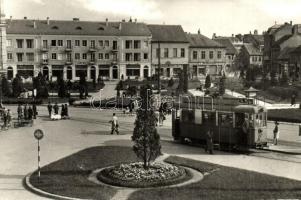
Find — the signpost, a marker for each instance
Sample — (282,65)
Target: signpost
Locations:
(38,134)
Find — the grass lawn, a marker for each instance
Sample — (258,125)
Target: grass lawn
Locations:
(285,115)
(225,183)
(68,176)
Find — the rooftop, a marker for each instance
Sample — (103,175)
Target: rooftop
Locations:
(226,42)
(252,50)
(167,33)
(59,27)
(199,40)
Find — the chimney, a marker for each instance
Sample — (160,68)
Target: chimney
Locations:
(120,25)
(130,19)
(214,36)
(291,22)
(10,18)
(232,35)
(199,31)
(48,21)
(107,22)
(136,20)
(255,32)
(76,19)
(25,17)
(34,24)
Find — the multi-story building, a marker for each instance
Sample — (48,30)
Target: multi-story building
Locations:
(169,49)
(206,56)
(70,48)
(250,56)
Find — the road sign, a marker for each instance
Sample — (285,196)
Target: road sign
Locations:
(38,134)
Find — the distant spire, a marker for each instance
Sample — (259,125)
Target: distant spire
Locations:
(199,31)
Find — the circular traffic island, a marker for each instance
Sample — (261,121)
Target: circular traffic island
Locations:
(134,175)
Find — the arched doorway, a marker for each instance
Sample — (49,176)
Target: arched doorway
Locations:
(115,72)
(10,73)
(69,73)
(145,72)
(93,73)
(45,72)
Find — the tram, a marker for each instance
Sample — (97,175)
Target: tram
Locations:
(235,122)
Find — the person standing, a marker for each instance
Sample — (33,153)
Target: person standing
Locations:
(209,141)
(8,118)
(115,125)
(25,112)
(66,111)
(4,119)
(63,111)
(49,107)
(34,109)
(56,109)
(293,99)
(19,110)
(276,133)
(30,113)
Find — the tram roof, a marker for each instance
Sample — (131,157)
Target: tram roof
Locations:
(249,109)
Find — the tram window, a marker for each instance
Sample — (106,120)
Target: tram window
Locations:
(225,119)
(187,116)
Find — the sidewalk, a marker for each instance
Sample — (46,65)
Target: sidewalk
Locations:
(286,149)
(262,103)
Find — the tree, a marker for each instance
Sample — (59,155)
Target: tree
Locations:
(17,86)
(61,88)
(119,87)
(132,90)
(284,79)
(146,139)
(5,87)
(274,80)
(222,86)
(208,82)
(170,82)
(83,88)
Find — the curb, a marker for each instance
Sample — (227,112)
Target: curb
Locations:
(280,151)
(42,193)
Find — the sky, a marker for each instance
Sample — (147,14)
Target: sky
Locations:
(223,17)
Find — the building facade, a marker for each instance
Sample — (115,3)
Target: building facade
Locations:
(169,49)
(206,56)
(67,49)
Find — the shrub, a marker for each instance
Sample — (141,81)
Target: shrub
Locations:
(208,82)
(283,93)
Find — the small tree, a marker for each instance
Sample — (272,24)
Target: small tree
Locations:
(222,86)
(17,86)
(61,88)
(146,139)
(5,87)
(83,88)
(132,90)
(284,79)
(208,82)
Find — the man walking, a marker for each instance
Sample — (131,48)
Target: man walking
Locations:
(276,133)
(56,109)
(49,107)
(115,125)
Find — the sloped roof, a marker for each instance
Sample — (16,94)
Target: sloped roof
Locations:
(58,27)
(284,54)
(252,50)
(201,41)
(296,50)
(282,39)
(226,42)
(167,33)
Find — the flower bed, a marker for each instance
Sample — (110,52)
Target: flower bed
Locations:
(134,175)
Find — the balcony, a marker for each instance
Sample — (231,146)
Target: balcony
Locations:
(68,62)
(68,49)
(44,61)
(92,49)
(115,49)
(45,49)
(92,62)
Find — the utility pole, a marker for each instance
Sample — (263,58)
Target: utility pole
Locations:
(159,68)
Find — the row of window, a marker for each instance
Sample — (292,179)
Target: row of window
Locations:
(256,58)
(195,55)
(167,53)
(77,56)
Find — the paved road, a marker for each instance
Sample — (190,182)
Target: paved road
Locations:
(89,128)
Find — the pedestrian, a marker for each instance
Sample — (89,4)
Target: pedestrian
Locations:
(25,112)
(66,111)
(49,107)
(63,111)
(4,119)
(161,115)
(131,107)
(56,109)
(293,99)
(19,110)
(30,113)
(276,133)
(34,109)
(209,141)
(8,118)
(115,125)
